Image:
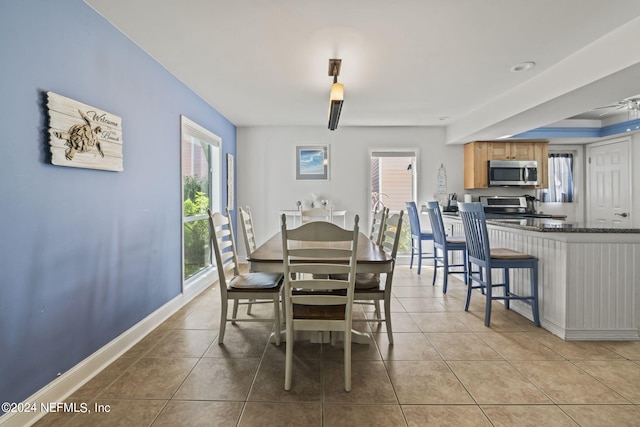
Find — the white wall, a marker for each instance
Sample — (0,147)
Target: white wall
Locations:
(266,168)
(266,171)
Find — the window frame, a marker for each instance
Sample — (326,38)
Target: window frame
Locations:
(190,129)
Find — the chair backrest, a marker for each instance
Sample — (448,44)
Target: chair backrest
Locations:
(315,214)
(248,233)
(390,240)
(437,225)
(224,247)
(326,249)
(377,226)
(475,231)
(414,220)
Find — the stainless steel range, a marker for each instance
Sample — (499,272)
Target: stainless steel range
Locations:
(509,207)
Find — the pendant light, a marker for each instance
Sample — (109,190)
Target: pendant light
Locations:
(337,94)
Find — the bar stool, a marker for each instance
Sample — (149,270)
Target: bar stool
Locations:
(445,244)
(480,254)
(417,235)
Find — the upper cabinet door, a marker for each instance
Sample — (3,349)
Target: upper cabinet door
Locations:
(511,150)
(522,151)
(499,150)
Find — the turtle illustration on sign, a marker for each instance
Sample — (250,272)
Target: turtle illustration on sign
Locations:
(81,138)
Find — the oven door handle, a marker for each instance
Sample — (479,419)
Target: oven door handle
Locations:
(526,174)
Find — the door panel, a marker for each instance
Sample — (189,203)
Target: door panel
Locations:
(609,197)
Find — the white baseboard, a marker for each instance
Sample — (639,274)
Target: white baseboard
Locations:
(66,384)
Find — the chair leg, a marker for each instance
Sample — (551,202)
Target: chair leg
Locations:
(282,310)
(469,286)
(249,306)
(276,317)
(412,252)
(507,288)
(376,304)
(487,308)
(445,269)
(223,321)
(419,256)
(235,312)
(288,365)
(435,266)
(534,293)
(466,265)
(387,319)
(347,360)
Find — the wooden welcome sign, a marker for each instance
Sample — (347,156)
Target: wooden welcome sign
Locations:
(82,136)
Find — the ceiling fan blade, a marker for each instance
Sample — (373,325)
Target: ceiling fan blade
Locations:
(617,107)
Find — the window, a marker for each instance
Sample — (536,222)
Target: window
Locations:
(201,189)
(393,183)
(560,179)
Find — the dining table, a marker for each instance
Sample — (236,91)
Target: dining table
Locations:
(370,258)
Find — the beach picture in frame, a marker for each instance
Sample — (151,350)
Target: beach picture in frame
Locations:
(312,162)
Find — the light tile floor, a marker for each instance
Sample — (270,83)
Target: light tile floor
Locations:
(445,369)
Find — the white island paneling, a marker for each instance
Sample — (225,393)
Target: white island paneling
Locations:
(589,281)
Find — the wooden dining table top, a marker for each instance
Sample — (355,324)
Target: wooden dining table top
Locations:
(370,257)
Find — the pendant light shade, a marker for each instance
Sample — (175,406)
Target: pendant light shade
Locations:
(337,92)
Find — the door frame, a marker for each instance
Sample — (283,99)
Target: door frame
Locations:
(416,168)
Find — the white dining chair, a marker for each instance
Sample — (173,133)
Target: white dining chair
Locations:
(313,300)
(246,220)
(377,225)
(369,288)
(249,237)
(243,288)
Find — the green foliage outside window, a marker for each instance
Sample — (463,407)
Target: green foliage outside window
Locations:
(196,233)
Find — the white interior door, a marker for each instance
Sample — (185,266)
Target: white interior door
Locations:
(608,192)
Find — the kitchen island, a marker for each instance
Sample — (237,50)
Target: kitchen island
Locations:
(589,275)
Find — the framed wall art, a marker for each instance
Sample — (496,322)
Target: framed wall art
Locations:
(83,136)
(230,182)
(312,162)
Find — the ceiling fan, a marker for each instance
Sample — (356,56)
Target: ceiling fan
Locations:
(630,104)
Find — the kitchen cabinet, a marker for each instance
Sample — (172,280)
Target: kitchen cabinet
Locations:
(476,172)
(501,150)
(478,153)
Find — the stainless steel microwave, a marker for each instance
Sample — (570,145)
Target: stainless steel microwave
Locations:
(513,172)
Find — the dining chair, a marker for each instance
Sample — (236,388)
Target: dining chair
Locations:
(369,289)
(377,226)
(314,301)
(315,214)
(445,244)
(246,288)
(417,236)
(250,245)
(246,219)
(480,253)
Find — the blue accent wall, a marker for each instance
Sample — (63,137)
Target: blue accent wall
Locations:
(582,132)
(84,254)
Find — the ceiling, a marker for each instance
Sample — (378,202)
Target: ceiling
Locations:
(404,62)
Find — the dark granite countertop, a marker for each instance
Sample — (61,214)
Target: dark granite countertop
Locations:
(554,226)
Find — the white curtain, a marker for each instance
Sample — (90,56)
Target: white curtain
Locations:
(560,178)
